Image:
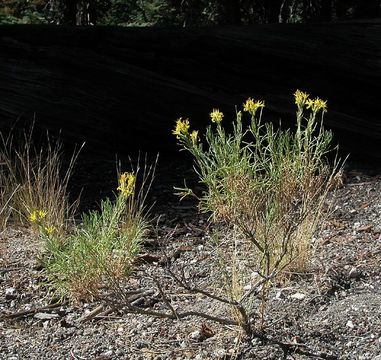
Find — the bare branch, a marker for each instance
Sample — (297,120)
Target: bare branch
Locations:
(165,299)
(184,284)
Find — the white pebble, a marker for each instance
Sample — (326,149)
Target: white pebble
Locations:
(350,324)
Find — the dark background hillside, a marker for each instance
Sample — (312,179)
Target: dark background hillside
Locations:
(121,89)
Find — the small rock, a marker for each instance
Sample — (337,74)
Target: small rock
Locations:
(231,352)
(220,353)
(255,342)
(247,287)
(279,295)
(119,352)
(108,353)
(87,332)
(354,273)
(140,344)
(195,335)
(10,293)
(350,324)
(298,296)
(45,316)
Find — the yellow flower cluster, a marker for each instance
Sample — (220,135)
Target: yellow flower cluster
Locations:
(194,136)
(36,216)
(302,99)
(182,128)
(317,104)
(126,183)
(49,229)
(216,116)
(182,131)
(251,106)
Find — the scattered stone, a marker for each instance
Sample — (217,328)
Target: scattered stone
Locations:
(46,316)
(354,273)
(298,296)
(195,335)
(108,353)
(279,295)
(10,293)
(350,324)
(219,353)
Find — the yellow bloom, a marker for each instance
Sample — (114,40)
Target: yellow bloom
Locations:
(194,136)
(321,104)
(300,98)
(33,217)
(310,104)
(182,128)
(216,116)
(316,105)
(50,229)
(36,216)
(126,183)
(41,214)
(251,106)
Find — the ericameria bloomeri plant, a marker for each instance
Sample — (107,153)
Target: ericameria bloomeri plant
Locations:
(267,187)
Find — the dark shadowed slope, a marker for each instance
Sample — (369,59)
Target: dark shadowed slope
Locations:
(122,89)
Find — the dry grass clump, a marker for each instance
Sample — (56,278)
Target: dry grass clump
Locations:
(34,184)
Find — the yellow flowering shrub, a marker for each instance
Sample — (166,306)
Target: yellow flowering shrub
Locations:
(267,184)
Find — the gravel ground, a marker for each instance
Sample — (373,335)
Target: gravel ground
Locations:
(333,311)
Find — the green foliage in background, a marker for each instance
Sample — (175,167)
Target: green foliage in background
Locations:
(181,12)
